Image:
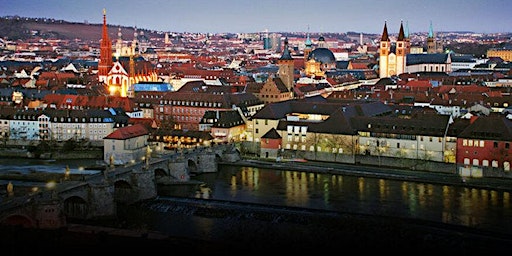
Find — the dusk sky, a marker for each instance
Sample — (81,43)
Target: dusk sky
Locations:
(367,16)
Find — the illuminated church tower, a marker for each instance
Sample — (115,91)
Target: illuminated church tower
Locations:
(105,63)
(129,67)
(392,60)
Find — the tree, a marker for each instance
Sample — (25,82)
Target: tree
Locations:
(335,142)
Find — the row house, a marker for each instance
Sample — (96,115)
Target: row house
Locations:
(420,137)
(308,111)
(61,125)
(486,142)
(186,107)
(224,126)
(372,129)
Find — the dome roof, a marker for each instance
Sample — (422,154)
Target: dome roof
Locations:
(322,55)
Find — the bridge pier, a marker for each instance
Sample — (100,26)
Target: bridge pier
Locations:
(144,185)
(102,203)
(179,170)
(206,163)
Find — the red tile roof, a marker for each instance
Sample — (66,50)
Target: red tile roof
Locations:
(128,132)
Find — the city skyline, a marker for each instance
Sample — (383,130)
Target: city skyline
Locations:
(244,16)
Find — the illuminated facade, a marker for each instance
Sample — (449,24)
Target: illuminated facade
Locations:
(119,80)
(392,55)
(105,63)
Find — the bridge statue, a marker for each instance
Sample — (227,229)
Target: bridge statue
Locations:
(10,189)
(148,155)
(66,173)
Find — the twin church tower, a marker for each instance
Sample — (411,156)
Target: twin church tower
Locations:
(392,55)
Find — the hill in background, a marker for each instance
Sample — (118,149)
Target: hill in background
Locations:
(15,28)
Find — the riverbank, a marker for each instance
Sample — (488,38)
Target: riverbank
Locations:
(91,153)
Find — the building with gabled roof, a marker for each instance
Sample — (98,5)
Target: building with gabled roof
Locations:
(270,144)
(126,145)
(224,126)
(485,144)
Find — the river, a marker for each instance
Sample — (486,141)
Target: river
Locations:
(480,209)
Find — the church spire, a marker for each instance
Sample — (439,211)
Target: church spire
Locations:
(105,63)
(286,52)
(431,31)
(401,34)
(385,36)
(308,42)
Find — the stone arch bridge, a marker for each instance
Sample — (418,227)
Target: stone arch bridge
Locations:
(96,196)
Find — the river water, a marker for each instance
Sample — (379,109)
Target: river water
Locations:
(483,209)
(480,208)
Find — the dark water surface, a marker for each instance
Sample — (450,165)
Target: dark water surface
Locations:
(480,208)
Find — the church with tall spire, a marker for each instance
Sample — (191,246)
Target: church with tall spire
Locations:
(105,63)
(393,55)
(433,45)
(129,67)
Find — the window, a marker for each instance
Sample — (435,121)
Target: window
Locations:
(466,160)
(485,162)
(495,144)
(476,162)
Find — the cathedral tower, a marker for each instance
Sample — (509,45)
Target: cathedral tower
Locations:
(401,50)
(393,55)
(105,63)
(384,50)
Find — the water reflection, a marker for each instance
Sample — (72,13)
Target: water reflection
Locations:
(458,205)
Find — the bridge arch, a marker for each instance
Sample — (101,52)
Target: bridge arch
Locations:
(192,166)
(76,207)
(122,190)
(160,172)
(19,220)
(218,158)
